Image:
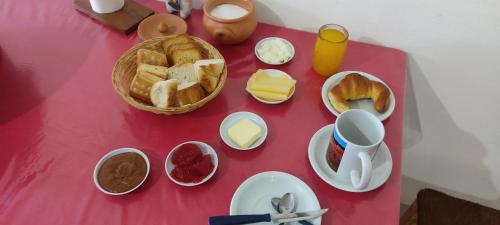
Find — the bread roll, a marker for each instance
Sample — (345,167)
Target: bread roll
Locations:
(141,85)
(208,72)
(163,93)
(355,86)
(189,93)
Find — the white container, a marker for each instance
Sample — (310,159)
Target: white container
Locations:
(205,149)
(113,153)
(106,6)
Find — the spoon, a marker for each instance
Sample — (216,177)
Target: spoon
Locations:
(286,204)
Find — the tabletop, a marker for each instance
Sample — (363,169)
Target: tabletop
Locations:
(59,115)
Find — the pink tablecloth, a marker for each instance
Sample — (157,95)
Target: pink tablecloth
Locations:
(59,115)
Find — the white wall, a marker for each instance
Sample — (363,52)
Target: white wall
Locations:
(452,134)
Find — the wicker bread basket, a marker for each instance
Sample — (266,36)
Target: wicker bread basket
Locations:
(125,69)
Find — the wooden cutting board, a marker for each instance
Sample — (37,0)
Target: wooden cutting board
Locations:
(124,20)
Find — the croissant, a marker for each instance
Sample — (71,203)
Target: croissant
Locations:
(354,87)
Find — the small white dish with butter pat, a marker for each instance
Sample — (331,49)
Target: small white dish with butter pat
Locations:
(273,73)
(231,123)
(274,51)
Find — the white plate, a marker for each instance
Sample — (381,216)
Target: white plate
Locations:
(233,118)
(205,149)
(274,73)
(259,44)
(365,104)
(113,153)
(254,195)
(382,163)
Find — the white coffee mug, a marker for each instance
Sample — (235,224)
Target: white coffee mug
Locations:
(360,134)
(106,6)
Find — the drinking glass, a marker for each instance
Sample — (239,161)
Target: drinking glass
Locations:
(329,50)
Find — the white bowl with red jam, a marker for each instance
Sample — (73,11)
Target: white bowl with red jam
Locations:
(191,163)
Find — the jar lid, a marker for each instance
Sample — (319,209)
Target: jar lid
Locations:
(161,24)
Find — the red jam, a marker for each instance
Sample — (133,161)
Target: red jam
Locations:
(191,166)
(186,155)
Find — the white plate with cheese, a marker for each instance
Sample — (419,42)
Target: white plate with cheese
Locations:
(243,130)
(275,74)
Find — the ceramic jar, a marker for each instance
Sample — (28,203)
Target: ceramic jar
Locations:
(229,31)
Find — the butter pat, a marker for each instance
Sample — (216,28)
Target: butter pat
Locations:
(245,133)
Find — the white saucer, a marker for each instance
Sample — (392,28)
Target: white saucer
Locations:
(275,73)
(382,163)
(233,118)
(365,104)
(254,195)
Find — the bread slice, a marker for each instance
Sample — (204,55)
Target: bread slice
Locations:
(159,71)
(141,85)
(182,72)
(174,47)
(208,72)
(145,56)
(163,93)
(189,93)
(187,55)
(183,38)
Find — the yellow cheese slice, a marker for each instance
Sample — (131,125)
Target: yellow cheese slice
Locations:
(273,88)
(268,95)
(263,76)
(263,82)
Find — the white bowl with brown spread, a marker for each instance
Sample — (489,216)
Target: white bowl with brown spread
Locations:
(121,171)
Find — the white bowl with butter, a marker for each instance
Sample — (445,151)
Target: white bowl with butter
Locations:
(273,73)
(245,136)
(274,51)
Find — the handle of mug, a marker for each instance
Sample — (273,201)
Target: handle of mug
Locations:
(360,181)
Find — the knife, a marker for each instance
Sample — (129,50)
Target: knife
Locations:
(255,218)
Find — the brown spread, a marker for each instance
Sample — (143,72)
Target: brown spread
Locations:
(122,172)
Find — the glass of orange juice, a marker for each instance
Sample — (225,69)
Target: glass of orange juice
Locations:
(329,49)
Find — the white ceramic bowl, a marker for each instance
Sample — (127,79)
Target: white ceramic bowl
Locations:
(205,149)
(233,118)
(259,45)
(275,73)
(113,153)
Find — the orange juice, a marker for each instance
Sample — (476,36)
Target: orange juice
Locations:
(329,49)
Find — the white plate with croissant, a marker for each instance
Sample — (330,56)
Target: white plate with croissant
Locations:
(358,90)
